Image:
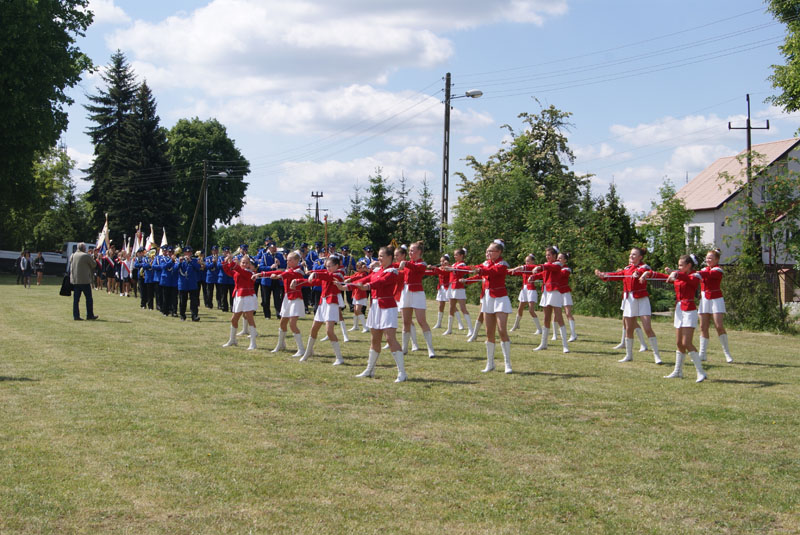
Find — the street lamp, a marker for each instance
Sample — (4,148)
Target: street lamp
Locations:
(218,176)
(473,93)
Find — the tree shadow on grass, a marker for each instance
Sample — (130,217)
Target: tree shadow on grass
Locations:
(442,381)
(18,379)
(757,384)
(766,365)
(557,375)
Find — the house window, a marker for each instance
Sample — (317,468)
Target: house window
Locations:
(694,236)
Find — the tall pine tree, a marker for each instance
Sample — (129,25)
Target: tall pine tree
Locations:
(402,207)
(425,224)
(115,145)
(379,213)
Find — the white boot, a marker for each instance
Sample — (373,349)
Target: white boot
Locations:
(698,365)
(555,335)
(563,330)
(621,343)
(364,328)
(572,335)
(474,334)
(543,344)
(428,335)
(628,351)
(345,339)
(449,329)
(677,373)
(538,325)
(468,323)
(370,371)
(654,345)
(244,331)
(338,352)
(703,348)
(253,335)
(232,340)
(643,346)
(298,339)
(324,338)
(460,321)
(439,320)
(385,346)
(401,367)
(516,323)
(489,357)
(281,341)
(406,339)
(723,339)
(355,324)
(414,343)
(505,347)
(309,349)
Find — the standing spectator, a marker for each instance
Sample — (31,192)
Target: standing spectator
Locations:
(38,267)
(26,267)
(18,266)
(81,270)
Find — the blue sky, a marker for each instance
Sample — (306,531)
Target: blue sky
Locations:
(319,93)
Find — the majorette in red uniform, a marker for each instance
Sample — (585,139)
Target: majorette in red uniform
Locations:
(456,293)
(328,310)
(292,306)
(712,305)
(495,303)
(412,301)
(686,282)
(551,300)
(244,298)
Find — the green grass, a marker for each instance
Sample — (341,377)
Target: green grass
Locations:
(143,424)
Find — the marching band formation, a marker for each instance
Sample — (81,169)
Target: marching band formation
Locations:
(386,292)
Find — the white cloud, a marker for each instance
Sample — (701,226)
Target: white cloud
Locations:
(592,152)
(474,140)
(82,161)
(689,129)
(105,12)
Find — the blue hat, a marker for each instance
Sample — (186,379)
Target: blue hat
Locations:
(165,247)
(170,248)
(368,249)
(140,250)
(270,243)
(332,245)
(226,248)
(267,239)
(304,244)
(187,248)
(345,248)
(243,246)
(214,247)
(317,244)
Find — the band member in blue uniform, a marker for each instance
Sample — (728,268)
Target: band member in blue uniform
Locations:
(276,289)
(349,267)
(189,273)
(367,258)
(169,283)
(158,267)
(211,275)
(224,284)
(265,262)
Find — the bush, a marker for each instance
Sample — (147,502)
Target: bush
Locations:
(751,302)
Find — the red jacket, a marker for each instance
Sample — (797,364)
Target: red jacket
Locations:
(330,292)
(712,277)
(551,275)
(457,277)
(636,287)
(242,279)
(528,279)
(358,293)
(288,276)
(685,287)
(563,283)
(413,273)
(382,283)
(444,276)
(494,277)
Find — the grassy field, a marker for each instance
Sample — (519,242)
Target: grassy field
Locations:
(142,424)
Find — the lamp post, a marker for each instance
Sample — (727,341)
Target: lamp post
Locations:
(218,176)
(474,93)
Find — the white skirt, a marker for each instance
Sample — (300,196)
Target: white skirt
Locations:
(685,318)
(551,299)
(528,296)
(457,293)
(633,307)
(382,318)
(363,301)
(567,299)
(409,299)
(327,312)
(441,295)
(492,305)
(712,306)
(293,309)
(247,303)
(342,302)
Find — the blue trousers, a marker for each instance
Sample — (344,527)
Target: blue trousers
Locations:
(77,290)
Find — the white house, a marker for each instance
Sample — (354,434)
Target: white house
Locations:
(707,195)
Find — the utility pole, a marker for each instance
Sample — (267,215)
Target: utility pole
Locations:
(445,162)
(749,186)
(317,196)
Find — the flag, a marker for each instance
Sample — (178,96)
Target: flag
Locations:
(164,237)
(151,239)
(137,244)
(102,238)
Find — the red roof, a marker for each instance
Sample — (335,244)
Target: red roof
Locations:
(707,191)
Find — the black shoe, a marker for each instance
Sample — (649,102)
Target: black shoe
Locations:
(78,319)
(195,318)
(92,318)
(279,316)
(183,318)
(174,315)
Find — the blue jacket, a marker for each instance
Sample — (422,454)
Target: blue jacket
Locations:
(144,264)
(265,261)
(223,278)
(318,265)
(158,265)
(212,271)
(169,273)
(188,274)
